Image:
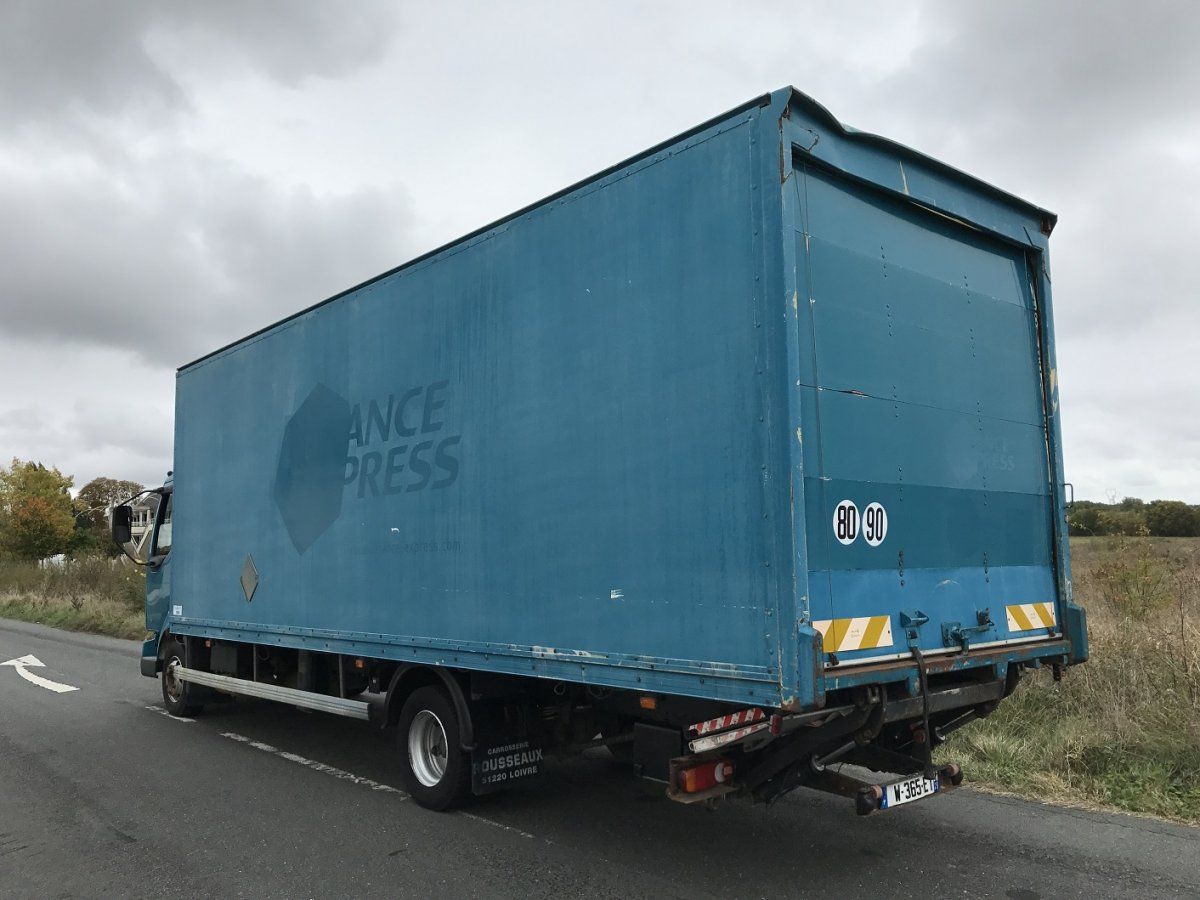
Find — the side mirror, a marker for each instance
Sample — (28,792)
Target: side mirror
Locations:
(122,525)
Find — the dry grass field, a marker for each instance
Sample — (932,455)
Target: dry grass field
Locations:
(1123,730)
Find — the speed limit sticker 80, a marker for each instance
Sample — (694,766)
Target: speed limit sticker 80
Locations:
(872,523)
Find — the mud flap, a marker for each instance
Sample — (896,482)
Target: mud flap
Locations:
(500,766)
(505,753)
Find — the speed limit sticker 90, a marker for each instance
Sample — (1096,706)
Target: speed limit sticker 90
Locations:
(874,525)
(847,523)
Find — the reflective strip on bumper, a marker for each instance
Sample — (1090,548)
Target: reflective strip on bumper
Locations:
(1030,616)
(861,633)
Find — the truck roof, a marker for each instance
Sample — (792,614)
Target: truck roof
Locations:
(784,97)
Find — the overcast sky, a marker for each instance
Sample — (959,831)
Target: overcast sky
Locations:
(174,176)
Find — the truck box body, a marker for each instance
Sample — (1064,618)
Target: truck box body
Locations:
(615,437)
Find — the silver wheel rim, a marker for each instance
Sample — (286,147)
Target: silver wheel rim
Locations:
(172,681)
(427,748)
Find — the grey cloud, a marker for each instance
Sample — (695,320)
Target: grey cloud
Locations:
(171,257)
(286,40)
(91,412)
(58,59)
(67,59)
(1026,73)
(126,251)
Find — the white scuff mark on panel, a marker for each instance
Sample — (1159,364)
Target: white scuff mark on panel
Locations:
(723,666)
(616,594)
(395,531)
(799,436)
(904,179)
(555,652)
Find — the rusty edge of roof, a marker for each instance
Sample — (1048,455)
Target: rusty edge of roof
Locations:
(965,178)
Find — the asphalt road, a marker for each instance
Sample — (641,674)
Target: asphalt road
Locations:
(102,794)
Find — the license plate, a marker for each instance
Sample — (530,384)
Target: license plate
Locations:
(900,792)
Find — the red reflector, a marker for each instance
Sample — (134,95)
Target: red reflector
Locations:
(775,724)
(703,777)
(648,702)
(358,664)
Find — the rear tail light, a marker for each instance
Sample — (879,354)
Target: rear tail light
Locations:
(705,776)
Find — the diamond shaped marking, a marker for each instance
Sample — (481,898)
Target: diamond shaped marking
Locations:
(249,578)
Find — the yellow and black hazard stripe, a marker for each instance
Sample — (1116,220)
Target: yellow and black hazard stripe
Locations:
(859,633)
(1030,616)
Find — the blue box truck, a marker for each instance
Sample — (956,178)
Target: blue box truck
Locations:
(740,458)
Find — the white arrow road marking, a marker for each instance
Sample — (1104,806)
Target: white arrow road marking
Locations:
(22,666)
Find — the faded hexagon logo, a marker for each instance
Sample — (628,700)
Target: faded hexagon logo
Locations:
(312,463)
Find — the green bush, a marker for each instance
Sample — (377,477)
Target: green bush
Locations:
(1172,518)
(1135,577)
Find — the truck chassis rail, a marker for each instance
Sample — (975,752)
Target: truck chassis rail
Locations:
(353,709)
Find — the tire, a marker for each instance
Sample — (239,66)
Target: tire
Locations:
(177,695)
(436,772)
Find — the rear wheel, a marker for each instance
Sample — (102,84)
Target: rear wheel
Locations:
(177,693)
(436,771)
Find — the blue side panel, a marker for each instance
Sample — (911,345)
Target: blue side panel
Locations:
(543,450)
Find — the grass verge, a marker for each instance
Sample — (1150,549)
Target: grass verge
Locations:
(96,616)
(93,594)
(1123,730)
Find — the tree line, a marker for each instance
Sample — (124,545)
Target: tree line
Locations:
(39,518)
(1132,516)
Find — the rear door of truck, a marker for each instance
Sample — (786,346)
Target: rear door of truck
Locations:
(927,478)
